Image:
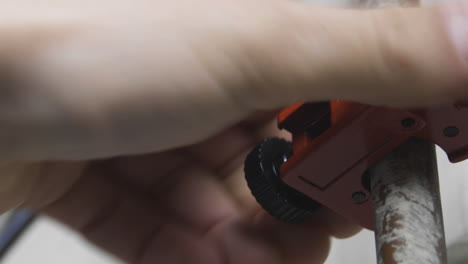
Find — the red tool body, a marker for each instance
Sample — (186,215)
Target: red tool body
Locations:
(334,143)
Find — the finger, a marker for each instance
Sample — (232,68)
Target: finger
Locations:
(259,118)
(218,151)
(337,225)
(392,56)
(107,215)
(145,171)
(35,184)
(222,153)
(139,231)
(18,182)
(130,224)
(210,77)
(198,199)
(296,243)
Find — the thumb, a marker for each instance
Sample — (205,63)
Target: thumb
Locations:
(95,83)
(393,56)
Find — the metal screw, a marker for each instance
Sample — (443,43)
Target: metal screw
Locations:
(408,122)
(359,197)
(451,131)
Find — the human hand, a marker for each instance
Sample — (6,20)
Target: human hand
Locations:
(129,120)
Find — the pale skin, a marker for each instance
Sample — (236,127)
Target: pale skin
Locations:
(129,120)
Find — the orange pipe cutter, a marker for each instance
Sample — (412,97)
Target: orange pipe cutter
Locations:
(333,145)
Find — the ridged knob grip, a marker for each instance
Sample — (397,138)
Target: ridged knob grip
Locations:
(262,175)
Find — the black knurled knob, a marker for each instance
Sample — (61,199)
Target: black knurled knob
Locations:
(278,199)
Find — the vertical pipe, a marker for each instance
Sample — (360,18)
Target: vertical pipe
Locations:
(408,215)
(405,191)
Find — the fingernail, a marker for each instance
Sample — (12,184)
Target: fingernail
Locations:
(456,19)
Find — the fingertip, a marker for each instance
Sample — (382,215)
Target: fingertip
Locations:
(297,243)
(338,226)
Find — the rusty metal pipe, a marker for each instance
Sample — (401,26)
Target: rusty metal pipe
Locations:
(408,215)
